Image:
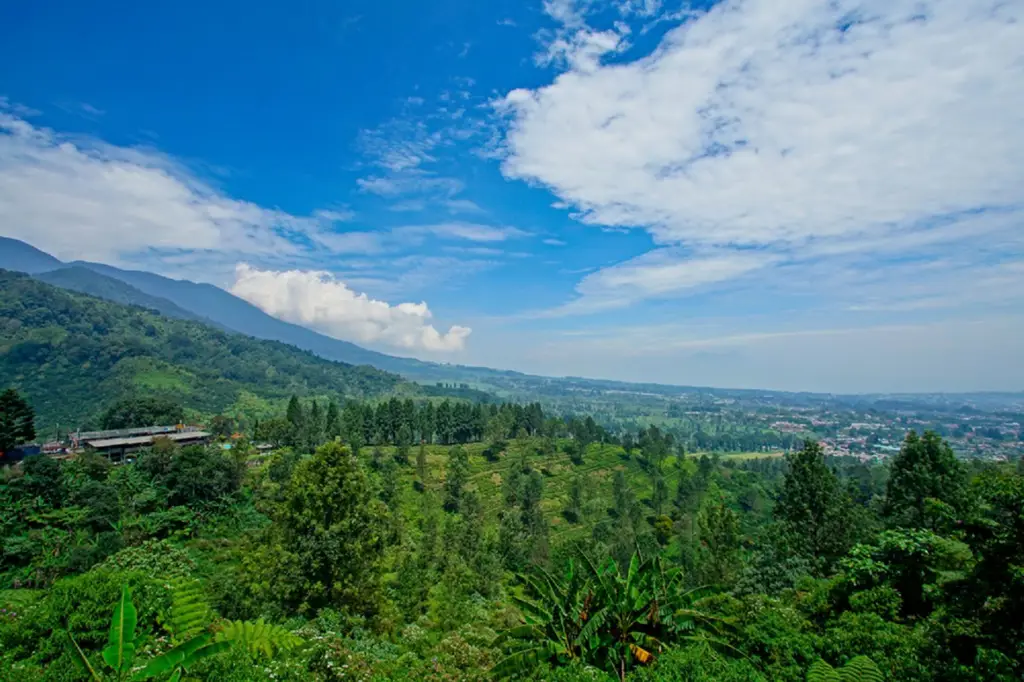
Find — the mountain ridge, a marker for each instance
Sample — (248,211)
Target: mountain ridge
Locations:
(222,309)
(73,354)
(87,281)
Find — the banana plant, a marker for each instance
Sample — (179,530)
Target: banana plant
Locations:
(554,610)
(119,654)
(603,617)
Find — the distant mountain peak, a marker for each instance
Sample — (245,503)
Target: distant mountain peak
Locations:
(22,257)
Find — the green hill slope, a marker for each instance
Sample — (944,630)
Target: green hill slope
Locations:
(72,355)
(86,281)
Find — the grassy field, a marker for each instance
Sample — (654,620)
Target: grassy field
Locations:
(741,456)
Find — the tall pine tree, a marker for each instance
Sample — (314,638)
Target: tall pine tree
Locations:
(456,476)
(17,421)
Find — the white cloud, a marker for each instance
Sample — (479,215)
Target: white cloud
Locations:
(334,215)
(410,181)
(318,300)
(463,206)
(804,128)
(658,273)
(83,199)
(473,232)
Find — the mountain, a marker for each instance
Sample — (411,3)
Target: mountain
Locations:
(86,281)
(231,312)
(189,300)
(72,355)
(21,257)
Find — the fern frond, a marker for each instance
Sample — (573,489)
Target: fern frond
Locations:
(258,637)
(860,669)
(820,671)
(191,614)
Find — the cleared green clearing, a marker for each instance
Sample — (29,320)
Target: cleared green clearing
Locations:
(742,456)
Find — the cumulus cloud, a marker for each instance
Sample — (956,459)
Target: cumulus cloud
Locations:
(83,199)
(793,127)
(318,300)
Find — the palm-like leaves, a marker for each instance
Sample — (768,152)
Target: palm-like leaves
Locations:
(189,615)
(859,669)
(604,617)
(554,612)
(182,657)
(190,612)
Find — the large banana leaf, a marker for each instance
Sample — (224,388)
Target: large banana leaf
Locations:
(120,650)
(181,657)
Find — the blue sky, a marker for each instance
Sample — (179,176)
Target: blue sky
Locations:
(791,195)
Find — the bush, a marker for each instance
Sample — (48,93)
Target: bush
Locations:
(80,605)
(698,663)
(158,559)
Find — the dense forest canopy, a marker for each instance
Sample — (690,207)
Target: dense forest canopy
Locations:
(447,540)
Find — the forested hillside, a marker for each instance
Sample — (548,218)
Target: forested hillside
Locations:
(86,281)
(421,540)
(72,355)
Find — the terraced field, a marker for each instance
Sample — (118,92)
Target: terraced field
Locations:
(598,467)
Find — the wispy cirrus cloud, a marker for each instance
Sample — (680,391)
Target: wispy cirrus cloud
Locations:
(473,232)
(657,274)
(411,156)
(808,131)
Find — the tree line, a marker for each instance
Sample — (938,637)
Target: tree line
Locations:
(403,423)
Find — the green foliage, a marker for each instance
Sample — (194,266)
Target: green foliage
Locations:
(119,653)
(71,354)
(600,615)
(190,612)
(720,542)
(331,533)
(698,663)
(80,607)
(193,476)
(17,421)
(257,637)
(927,486)
(330,567)
(916,563)
(141,411)
(813,510)
(181,658)
(160,559)
(859,669)
(455,478)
